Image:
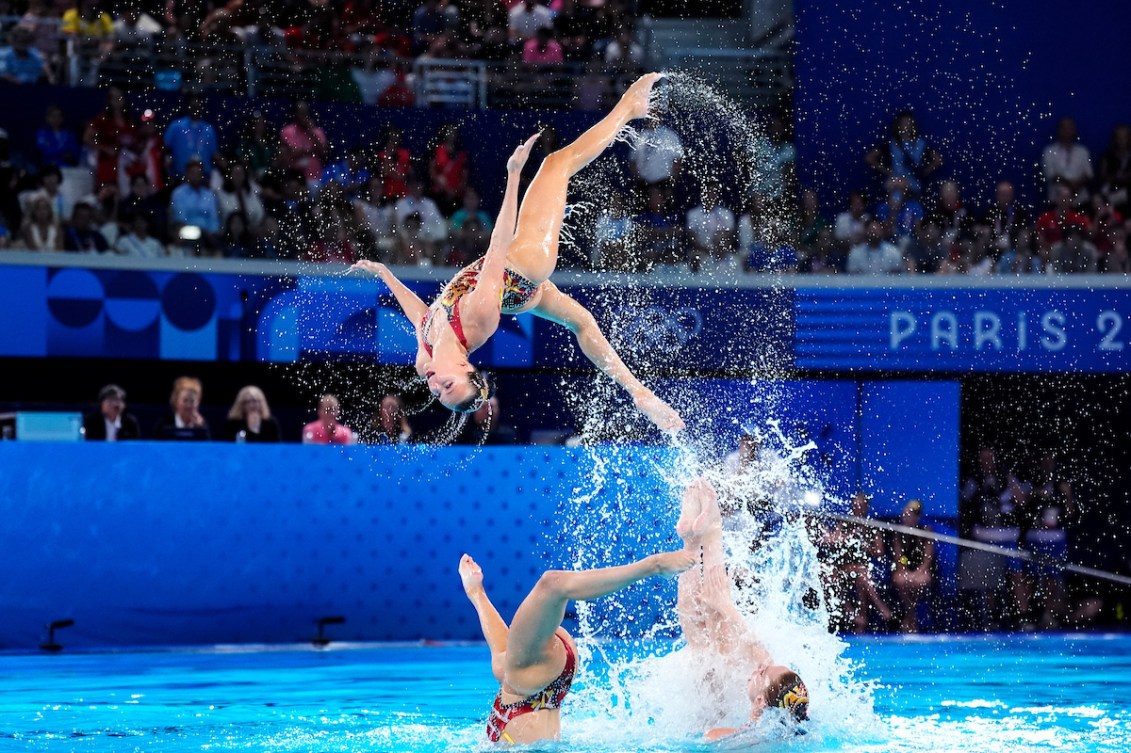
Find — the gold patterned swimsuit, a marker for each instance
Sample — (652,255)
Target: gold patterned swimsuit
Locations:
(517,292)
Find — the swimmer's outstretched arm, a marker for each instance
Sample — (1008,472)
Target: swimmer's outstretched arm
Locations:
(495,630)
(410,303)
(558,307)
(542,611)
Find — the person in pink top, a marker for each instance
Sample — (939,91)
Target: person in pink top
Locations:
(327,429)
(305,147)
(542,49)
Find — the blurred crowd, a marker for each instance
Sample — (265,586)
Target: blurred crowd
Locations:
(385,419)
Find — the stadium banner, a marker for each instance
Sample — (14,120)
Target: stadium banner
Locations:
(282,312)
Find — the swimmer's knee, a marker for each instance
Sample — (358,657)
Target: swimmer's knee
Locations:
(552,584)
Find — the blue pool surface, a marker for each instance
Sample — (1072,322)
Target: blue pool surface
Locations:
(1065,693)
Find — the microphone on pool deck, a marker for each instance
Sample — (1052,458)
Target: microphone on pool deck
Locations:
(51,645)
(321,639)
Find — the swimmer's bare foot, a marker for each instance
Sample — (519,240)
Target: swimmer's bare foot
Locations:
(710,519)
(658,412)
(688,513)
(639,95)
(471,575)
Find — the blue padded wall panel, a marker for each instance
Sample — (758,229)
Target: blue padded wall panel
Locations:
(161,543)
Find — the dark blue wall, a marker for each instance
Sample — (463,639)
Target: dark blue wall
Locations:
(986,80)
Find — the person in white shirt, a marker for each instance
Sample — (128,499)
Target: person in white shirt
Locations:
(875,255)
(1067,162)
(525,19)
(433,227)
(711,227)
(138,242)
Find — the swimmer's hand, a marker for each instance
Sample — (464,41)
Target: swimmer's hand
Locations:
(658,412)
(639,96)
(365,265)
(674,563)
(518,159)
(471,575)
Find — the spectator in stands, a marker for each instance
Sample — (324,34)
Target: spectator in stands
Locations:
(108,134)
(374,219)
(875,255)
(92,31)
(1052,223)
(1067,162)
(1075,254)
(266,245)
(852,222)
(257,147)
(926,250)
(775,176)
(853,552)
(1047,516)
(13,178)
(429,21)
(826,256)
(249,419)
(194,212)
(1115,169)
(1020,258)
(525,19)
(373,76)
(900,212)
(50,188)
(295,214)
(433,227)
(657,156)
(448,169)
(542,48)
(711,228)
(986,514)
(913,566)
(239,193)
(138,243)
(410,246)
(327,429)
(351,173)
(906,154)
(44,27)
(390,422)
(107,214)
(184,421)
(111,422)
(746,457)
(1005,216)
(237,241)
(55,144)
(468,244)
(41,229)
(398,93)
(624,52)
(486,427)
(80,235)
(333,245)
(613,247)
(470,210)
(134,29)
(191,137)
(571,31)
(21,63)
(811,220)
(303,145)
(394,164)
(659,231)
(143,200)
(951,213)
(147,156)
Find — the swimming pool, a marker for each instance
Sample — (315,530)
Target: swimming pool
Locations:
(1068,693)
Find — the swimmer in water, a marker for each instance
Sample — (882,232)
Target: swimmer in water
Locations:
(535,659)
(514,277)
(712,625)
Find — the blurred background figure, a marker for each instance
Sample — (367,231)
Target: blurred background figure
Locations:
(913,566)
(110,422)
(184,421)
(486,427)
(328,429)
(250,419)
(390,422)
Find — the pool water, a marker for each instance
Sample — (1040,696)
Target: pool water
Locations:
(1068,693)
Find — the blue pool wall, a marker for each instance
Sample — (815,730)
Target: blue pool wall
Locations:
(152,543)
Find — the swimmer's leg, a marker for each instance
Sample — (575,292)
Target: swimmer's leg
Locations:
(494,628)
(540,615)
(534,251)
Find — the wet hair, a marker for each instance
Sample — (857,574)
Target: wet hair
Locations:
(788,692)
(484,390)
